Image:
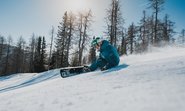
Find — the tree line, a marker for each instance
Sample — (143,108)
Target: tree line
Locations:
(136,38)
(66,49)
(70,46)
(22,58)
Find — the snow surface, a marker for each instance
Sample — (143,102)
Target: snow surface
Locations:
(146,82)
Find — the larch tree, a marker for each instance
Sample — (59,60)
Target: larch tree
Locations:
(2,42)
(84,23)
(157,6)
(51,46)
(7,68)
(61,42)
(114,21)
(131,37)
(32,47)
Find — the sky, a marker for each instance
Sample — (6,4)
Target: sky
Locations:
(25,17)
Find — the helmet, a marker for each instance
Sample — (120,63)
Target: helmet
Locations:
(95,41)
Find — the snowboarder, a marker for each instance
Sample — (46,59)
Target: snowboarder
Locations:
(108,56)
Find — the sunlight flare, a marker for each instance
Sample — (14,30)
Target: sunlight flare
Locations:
(78,5)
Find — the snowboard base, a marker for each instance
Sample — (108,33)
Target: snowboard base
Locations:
(72,71)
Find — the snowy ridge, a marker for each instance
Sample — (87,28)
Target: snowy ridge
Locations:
(146,82)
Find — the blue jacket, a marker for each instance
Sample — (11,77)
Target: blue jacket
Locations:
(108,57)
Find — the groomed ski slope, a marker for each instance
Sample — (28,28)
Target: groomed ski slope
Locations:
(147,82)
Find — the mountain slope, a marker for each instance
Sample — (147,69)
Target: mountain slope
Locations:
(148,82)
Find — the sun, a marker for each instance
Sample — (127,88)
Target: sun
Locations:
(77,5)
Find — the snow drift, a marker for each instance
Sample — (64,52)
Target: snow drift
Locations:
(146,82)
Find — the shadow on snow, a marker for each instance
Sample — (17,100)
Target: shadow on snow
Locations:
(117,68)
(41,77)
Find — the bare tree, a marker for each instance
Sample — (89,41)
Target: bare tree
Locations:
(71,30)
(32,52)
(40,55)
(124,42)
(157,6)
(168,27)
(84,23)
(19,55)
(64,39)
(2,41)
(51,45)
(182,37)
(143,32)
(43,54)
(7,67)
(2,53)
(114,22)
(150,29)
(80,31)
(131,37)
(61,42)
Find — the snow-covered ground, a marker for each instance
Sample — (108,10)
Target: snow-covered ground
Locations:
(147,82)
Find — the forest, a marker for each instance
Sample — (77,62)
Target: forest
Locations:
(71,45)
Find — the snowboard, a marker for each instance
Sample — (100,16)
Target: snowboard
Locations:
(72,71)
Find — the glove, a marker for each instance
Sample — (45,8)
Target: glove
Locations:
(103,68)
